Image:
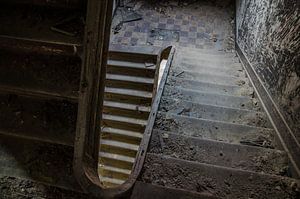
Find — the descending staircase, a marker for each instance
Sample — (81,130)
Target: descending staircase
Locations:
(211,137)
(130,80)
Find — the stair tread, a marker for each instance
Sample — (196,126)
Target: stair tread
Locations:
(128,64)
(200,69)
(121,132)
(214,112)
(114,169)
(243,102)
(130,92)
(210,77)
(132,107)
(216,130)
(243,157)
(124,119)
(119,144)
(210,87)
(111,180)
(116,157)
(219,181)
(134,79)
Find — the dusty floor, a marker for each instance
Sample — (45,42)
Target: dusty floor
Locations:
(196,24)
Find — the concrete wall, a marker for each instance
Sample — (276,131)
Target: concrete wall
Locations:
(268,31)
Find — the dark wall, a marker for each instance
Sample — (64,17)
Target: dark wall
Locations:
(268,32)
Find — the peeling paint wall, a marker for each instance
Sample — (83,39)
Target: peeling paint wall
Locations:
(268,31)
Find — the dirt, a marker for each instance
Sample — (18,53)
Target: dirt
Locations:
(223,183)
(205,151)
(41,162)
(14,188)
(201,111)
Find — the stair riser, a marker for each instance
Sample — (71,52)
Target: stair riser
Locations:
(226,132)
(127,99)
(238,116)
(123,125)
(130,71)
(212,99)
(219,153)
(210,87)
(125,113)
(129,85)
(210,78)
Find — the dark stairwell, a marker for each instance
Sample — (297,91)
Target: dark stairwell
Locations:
(227,125)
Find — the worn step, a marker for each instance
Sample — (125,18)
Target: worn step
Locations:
(109,181)
(241,102)
(194,52)
(37,161)
(211,56)
(209,63)
(40,75)
(211,60)
(46,121)
(131,68)
(199,69)
(130,96)
(118,144)
(129,82)
(116,157)
(126,110)
(134,53)
(210,87)
(121,132)
(213,112)
(249,158)
(216,180)
(210,78)
(148,191)
(124,123)
(216,130)
(115,169)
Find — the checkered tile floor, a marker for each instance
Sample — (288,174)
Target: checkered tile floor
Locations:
(200,25)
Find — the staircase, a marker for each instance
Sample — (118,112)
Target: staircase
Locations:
(130,80)
(211,138)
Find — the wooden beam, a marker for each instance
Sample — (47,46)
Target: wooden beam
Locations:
(95,53)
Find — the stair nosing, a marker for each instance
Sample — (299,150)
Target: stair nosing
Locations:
(202,92)
(215,105)
(216,121)
(137,93)
(127,78)
(221,142)
(142,66)
(124,119)
(114,156)
(119,144)
(112,104)
(138,135)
